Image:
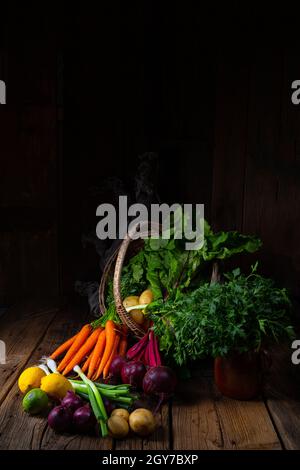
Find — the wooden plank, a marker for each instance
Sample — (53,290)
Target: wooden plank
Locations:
(20,431)
(195,423)
(245,425)
(282,397)
(204,419)
(21,328)
(160,440)
(230,142)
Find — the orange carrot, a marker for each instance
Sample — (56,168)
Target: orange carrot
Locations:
(63,347)
(79,341)
(110,338)
(87,363)
(97,353)
(93,378)
(123,342)
(83,351)
(123,347)
(113,354)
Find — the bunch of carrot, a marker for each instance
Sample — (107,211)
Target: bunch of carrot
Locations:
(94,347)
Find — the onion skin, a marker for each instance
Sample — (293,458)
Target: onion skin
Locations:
(160,381)
(108,405)
(60,419)
(72,401)
(84,419)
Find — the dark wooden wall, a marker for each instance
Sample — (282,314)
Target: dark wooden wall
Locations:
(136,80)
(88,93)
(29,175)
(256,186)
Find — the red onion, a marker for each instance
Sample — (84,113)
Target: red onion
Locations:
(133,373)
(60,419)
(72,401)
(108,405)
(84,419)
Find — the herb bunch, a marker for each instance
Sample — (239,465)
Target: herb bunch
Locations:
(216,319)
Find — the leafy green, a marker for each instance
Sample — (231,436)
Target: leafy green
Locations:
(167,266)
(218,319)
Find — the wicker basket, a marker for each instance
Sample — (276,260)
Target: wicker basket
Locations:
(128,248)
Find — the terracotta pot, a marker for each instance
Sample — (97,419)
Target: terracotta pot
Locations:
(240,376)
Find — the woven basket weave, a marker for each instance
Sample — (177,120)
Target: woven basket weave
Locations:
(127,248)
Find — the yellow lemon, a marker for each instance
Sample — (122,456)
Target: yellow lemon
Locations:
(30,378)
(56,385)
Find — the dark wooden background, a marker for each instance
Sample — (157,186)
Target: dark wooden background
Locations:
(87,93)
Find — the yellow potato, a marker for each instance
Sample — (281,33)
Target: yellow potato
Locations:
(137,316)
(121,412)
(118,427)
(131,301)
(142,422)
(146,297)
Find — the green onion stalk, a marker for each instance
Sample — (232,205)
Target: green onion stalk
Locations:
(96,401)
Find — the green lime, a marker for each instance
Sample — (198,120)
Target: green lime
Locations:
(35,401)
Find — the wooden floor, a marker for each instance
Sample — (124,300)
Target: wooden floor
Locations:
(198,418)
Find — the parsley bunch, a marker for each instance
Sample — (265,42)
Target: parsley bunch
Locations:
(222,318)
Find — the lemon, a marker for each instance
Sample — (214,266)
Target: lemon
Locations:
(30,378)
(55,385)
(35,401)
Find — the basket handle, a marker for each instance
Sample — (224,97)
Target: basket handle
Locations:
(123,314)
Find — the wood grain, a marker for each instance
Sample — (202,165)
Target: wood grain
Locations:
(199,417)
(230,142)
(33,432)
(157,441)
(21,328)
(283,397)
(203,419)
(194,417)
(245,425)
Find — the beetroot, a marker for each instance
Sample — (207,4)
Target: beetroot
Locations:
(116,366)
(133,373)
(160,381)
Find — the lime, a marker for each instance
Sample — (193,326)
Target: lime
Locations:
(35,401)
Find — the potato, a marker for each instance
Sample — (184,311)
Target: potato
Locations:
(121,412)
(131,301)
(146,297)
(137,316)
(118,427)
(142,422)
